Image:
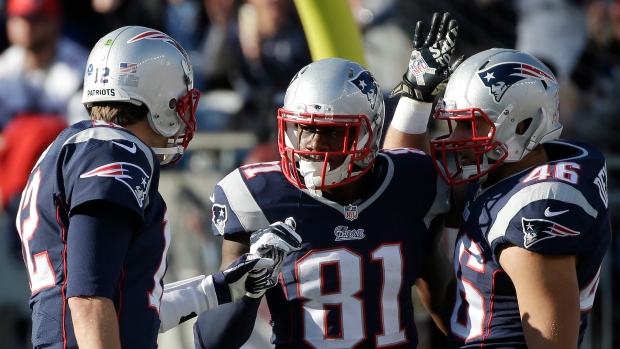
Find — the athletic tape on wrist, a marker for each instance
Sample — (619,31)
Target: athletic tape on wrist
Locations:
(411,116)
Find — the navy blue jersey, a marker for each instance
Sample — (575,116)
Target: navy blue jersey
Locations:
(93,162)
(350,284)
(557,208)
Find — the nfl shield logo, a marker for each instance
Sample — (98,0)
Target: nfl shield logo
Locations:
(350,212)
(418,66)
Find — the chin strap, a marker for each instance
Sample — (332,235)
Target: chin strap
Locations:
(307,170)
(169,154)
(311,170)
(315,193)
(472,170)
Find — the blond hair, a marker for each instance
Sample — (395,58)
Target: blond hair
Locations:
(120,113)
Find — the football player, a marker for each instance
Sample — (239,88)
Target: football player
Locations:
(535,221)
(93,225)
(370,221)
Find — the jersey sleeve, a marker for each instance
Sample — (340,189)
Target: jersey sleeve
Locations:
(552,218)
(96,248)
(234,209)
(116,168)
(444,200)
(420,170)
(228,325)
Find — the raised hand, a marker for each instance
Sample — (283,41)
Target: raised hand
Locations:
(429,66)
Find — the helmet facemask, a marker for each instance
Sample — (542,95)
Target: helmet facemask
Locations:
(447,151)
(320,175)
(177,144)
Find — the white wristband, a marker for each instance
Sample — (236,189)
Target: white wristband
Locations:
(411,116)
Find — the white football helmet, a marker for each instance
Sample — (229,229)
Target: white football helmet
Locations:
(502,87)
(140,65)
(331,92)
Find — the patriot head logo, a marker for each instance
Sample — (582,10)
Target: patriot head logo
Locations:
(500,77)
(317,107)
(536,230)
(132,176)
(219,217)
(368,85)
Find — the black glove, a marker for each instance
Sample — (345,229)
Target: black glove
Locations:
(235,282)
(429,70)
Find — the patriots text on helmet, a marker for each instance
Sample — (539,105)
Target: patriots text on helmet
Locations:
(102,92)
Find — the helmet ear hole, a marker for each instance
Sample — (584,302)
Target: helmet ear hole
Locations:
(521,130)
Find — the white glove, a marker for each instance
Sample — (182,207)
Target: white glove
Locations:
(273,242)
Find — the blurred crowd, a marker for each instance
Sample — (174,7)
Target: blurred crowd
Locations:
(245,52)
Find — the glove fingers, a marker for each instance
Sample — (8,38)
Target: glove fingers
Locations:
(433,32)
(257,281)
(450,39)
(259,273)
(443,28)
(279,258)
(278,263)
(429,65)
(273,277)
(288,235)
(453,24)
(243,265)
(417,35)
(257,287)
(290,221)
(280,235)
(273,242)
(261,263)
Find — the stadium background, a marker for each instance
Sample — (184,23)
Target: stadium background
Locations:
(384,45)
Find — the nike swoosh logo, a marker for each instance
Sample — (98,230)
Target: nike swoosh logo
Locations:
(548,213)
(131,150)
